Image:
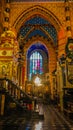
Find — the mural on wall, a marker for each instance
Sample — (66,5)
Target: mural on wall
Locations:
(69,68)
(69,48)
(69,63)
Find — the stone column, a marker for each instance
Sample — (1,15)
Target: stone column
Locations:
(2,104)
(19,75)
(60,86)
(62,67)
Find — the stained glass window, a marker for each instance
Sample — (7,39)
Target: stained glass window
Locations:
(37,60)
(36,64)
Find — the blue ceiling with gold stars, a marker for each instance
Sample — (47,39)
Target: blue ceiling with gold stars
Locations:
(38,26)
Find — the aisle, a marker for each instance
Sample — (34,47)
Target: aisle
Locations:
(53,120)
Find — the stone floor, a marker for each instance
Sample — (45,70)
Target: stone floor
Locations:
(53,120)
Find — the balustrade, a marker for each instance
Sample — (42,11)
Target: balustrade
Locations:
(18,96)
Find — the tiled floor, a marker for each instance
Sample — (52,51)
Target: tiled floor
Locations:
(53,120)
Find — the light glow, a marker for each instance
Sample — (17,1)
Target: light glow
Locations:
(37,81)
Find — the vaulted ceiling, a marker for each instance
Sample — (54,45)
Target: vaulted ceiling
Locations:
(38,26)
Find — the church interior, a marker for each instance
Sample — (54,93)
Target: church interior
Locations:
(36,55)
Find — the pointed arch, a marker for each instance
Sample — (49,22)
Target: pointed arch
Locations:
(48,45)
(34,11)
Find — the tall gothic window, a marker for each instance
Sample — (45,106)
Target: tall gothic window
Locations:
(37,61)
(36,64)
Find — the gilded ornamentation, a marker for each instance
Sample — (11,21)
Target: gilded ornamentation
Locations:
(4,53)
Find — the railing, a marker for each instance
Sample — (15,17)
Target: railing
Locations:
(18,96)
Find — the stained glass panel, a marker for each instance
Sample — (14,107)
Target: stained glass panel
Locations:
(36,64)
